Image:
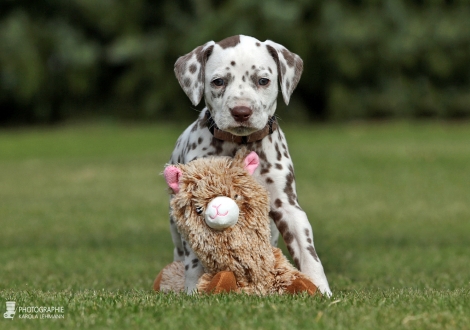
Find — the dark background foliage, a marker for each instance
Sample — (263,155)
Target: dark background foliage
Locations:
(67,59)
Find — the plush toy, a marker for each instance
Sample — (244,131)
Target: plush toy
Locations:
(222,212)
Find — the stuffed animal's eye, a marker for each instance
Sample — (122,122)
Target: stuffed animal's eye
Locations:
(199,210)
(236,197)
(263,81)
(218,82)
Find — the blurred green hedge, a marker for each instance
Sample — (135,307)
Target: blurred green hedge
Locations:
(62,59)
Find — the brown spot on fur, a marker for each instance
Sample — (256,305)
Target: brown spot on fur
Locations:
(229,42)
(199,141)
(254,80)
(279,166)
(187,82)
(202,56)
(198,51)
(265,168)
(291,250)
(283,229)
(289,57)
(276,216)
(289,189)
(180,252)
(313,253)
(299,66)
(217,144)
(288,237)
(253,67)
(269,180)
(192,68)
(232,63)
(228,77)
(258,44)
(269,69)
(278,203)
(278,151)
(297,262)
(262,156)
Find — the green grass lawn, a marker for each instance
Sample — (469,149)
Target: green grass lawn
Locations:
(83,225)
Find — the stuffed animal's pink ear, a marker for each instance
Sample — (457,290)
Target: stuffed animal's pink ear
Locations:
(251,162)
(172,176)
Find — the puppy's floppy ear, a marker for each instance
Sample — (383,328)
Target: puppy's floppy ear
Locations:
(289,67)
(189,70)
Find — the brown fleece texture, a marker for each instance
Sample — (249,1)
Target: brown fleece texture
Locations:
(243,249)
(171,278)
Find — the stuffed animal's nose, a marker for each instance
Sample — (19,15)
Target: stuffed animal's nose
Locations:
(241,113)
(221,212)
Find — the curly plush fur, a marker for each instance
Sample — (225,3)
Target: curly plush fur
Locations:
(239,258)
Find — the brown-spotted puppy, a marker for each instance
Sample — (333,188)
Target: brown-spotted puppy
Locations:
(222,212)
(238,78)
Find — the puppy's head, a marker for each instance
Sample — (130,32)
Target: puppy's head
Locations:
(238,78)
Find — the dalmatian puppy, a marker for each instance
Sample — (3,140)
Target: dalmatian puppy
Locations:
(238,78)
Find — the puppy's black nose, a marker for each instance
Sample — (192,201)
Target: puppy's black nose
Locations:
(241,114)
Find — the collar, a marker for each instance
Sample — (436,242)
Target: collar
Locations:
(270,127)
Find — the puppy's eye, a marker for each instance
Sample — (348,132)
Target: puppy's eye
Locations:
(263,81)
(199,210)
(218,82)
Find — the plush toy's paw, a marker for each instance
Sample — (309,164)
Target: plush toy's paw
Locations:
(171,278)
(222,282)
(158,281)
(302,285)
